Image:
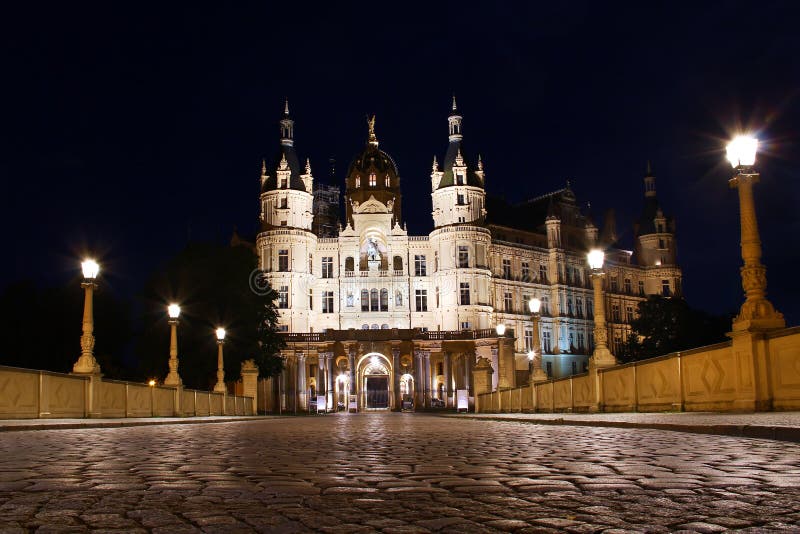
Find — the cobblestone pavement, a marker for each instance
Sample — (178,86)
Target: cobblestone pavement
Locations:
(393,473)
(785,419)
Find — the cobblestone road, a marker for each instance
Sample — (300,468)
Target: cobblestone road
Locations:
(393,473)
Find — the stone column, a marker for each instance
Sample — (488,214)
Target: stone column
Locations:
(426,366)
(482,382)
(351,360)
(302,394)
(418,380)
(448,385)
(219,387)
(250,382)
(496,366)
(537,373)
(601,357)
(757,313)
(173,378)
(87,364)
(396,399)
(330,392)
(469,366)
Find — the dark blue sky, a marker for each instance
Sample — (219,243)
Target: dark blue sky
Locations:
(128,128)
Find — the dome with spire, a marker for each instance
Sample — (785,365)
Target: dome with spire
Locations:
(372,160)
(455,155)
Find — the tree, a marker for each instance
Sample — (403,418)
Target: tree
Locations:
(212,285)
(669,324)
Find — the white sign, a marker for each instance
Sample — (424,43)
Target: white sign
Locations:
(462,400)
(353,405)
(321,404)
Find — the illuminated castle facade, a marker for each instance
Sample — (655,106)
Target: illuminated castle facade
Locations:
(384,319)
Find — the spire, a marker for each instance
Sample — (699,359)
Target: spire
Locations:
(287,126)
(373,139)
(263,167)
(435,164)
(480,163)
(454,121)
(649,182)
(284,164)
(308,166)
(459,158)
(455,108)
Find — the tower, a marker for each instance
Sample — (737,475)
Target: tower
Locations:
(286,243)
(460,241)
(654,242)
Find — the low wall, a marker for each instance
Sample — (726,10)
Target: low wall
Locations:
(754,371)
(32,394)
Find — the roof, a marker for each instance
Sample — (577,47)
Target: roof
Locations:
(373,159)
(295,182)
(449,160)
(530,215)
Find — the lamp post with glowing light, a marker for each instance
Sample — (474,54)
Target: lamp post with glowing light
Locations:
(87,364)
(537,374)
(220,385)
(173,378)
(601,357)
(757,313)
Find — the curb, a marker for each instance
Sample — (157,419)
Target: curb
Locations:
(777,433)
(123,423)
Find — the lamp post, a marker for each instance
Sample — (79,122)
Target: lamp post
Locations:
(173,378)
(757,313)
(220,385)
(537,374)
(601,357)
(86,363)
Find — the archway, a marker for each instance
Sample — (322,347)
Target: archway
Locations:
(375,377)
(406,392)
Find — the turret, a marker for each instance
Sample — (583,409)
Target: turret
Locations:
(458,193)
(654,232)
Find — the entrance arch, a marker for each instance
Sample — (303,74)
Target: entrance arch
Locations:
(375,378)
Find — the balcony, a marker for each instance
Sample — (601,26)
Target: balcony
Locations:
(395,334)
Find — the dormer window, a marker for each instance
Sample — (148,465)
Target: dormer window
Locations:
(388,182)
(284,203)
(459,178)
(373,180)
(358,181)
(282,184)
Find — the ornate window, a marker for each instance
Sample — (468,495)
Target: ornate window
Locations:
(283,260)
(364,300)
(327,267)
(358,181)
(507,269)
(283,297)
(373,300)
(349,264)
(420,267)
(327,302)
(384,299)
(373,180)
(422,299)
(463,256)
(508,302)
(464,293)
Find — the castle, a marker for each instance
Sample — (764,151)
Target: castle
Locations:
(379,319)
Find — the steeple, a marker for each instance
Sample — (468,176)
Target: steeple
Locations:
(287,126)
(454,121)
(649,182)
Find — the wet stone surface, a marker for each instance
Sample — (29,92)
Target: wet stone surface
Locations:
(393,473)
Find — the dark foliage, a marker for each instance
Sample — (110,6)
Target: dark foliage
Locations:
(669,324)
(211,283)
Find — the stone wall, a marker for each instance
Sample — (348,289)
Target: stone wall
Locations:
(31,394)
(761,372)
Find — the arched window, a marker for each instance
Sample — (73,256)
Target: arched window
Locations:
(374,327)
(384,326)
(349,264)
(397,263)
(373,300)
(364,327)
(384,299)
(358,181)
(364,300)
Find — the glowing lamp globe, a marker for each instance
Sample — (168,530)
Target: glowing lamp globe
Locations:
(174,311)
(90,269)
(534,305)
(151,383)
(221,334)
(596,258)
(741,151)
(501,329)
(531,355)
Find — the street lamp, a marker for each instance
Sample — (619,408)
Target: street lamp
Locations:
(173,378)
(500,329)
(87,364)
(537,374)
(756,313)
(601,357)
(220,385)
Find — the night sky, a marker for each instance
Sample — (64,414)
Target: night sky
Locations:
(128,130)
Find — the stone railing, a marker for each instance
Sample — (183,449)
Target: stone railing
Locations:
(761,374)
(31,394)
(392,334)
